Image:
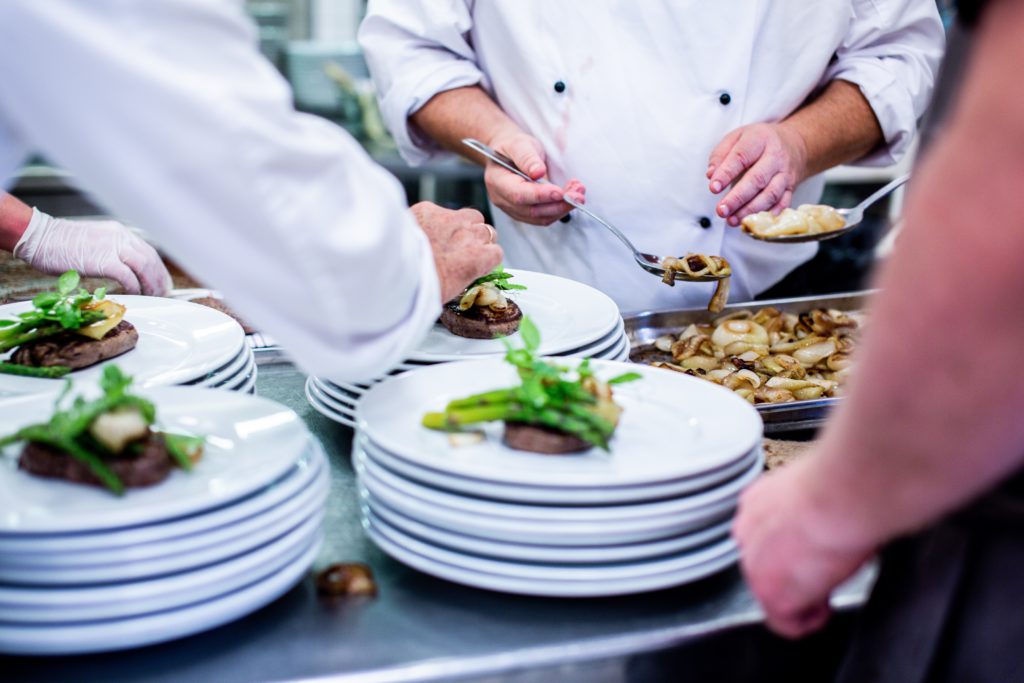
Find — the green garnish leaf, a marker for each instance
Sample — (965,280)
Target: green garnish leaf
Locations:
(67,282)
(183,448)
(99,293)
(46,300)
(626,377)
(530,334)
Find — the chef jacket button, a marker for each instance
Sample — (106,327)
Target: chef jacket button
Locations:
(559,87)
(725,98)
(705,222)
(566,218)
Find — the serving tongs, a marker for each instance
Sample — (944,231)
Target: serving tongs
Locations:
(853,218)
(649,262)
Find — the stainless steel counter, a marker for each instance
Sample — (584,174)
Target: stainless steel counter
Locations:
(420,628)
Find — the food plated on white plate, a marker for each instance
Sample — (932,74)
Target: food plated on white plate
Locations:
(110,440)
(483,310)
(555,409)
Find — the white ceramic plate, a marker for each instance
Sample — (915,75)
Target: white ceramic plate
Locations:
(548,588)
(318,404)
(244,384)
(544,514)
(556,495)
(521,552)
(555,572)
(222,520)
(72,605)
(236,368)
(122,634)
(159,566)
(568,313)
(672,426)
(547,533)
(302,505)
(250,443)
(178,342)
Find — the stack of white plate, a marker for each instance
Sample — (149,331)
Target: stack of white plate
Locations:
(83,570)
(651,513)
(179,343)
(575,320)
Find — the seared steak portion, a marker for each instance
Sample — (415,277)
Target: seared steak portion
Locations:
(481,322)
(538,439)
(218,305)
(76,351)
(150,467)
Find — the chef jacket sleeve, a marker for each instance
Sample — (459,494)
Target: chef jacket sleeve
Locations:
(166,112)
(416,49)
(892,52)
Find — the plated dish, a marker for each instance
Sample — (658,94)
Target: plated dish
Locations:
(766,356)
(483,310)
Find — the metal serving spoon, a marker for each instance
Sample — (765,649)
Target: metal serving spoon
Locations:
(649,262)
(852,216)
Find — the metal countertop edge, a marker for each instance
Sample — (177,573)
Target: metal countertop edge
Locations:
(591,650)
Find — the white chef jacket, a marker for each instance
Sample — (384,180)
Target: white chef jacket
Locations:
(165,111)
(650,88)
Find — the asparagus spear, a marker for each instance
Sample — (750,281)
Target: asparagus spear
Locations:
(53,372)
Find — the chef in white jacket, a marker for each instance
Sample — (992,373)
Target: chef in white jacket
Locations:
(672,119)
(167,113)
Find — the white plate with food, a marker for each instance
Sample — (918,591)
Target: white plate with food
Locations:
(522,552)
(146,559)
(249,443)
(552,495)
(672,426)
(122,634)
(492,509)
(35,605)
(547,533)
(571,315)
(177,342)
(549,588)
(220,522)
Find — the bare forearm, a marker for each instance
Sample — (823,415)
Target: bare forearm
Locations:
(461,113)
(933,418)
(14,219)
(837,127)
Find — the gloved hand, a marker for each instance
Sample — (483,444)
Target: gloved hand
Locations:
(95,249)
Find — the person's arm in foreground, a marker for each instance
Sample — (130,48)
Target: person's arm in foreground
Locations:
(195,137)
(469,112)
(877,87)
(93,248)
(932,418)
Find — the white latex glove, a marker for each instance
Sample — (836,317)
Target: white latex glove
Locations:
(95,249)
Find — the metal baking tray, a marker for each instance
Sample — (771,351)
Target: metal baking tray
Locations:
(644,328)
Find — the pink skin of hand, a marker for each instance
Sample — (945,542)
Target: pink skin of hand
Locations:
(533,203)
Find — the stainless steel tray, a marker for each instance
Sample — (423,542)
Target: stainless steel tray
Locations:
(644,328)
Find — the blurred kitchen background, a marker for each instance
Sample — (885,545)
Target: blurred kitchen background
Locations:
(312,43)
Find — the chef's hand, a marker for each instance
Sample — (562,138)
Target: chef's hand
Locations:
(766,161)
(533,203)
(793,551)
(95,249)
(464,246)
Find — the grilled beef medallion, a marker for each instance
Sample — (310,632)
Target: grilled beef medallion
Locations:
(481,322)
(76,351)
(150,467)
(545,440)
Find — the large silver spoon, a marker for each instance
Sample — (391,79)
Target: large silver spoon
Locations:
(649,262)
(853,218)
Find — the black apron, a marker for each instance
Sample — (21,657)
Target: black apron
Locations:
(944,609)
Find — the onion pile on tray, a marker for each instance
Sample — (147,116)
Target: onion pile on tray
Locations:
(768,356)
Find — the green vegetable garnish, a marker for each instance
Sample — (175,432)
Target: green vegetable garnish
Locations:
(68,428)
(499,278)
(52,313)
(52,372)
(549,396)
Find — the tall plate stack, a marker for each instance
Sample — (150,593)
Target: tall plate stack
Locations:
(83,570)
(179,343)
(575,321)
(651,513)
